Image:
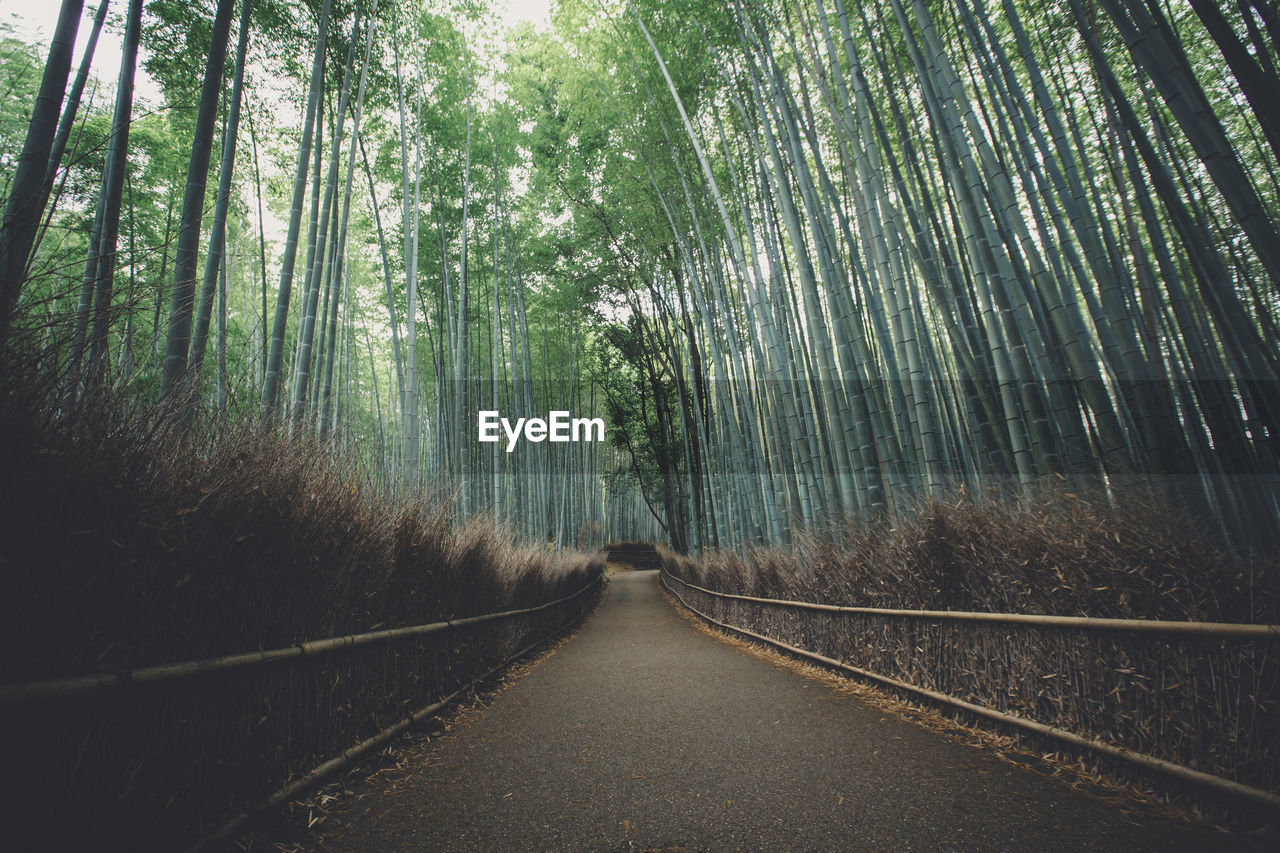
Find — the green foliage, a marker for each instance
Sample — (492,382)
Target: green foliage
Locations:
(20,68)
(640,404)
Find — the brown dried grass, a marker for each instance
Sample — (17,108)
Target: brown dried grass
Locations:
(1056,552)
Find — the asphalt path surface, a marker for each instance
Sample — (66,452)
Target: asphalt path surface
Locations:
(643,733)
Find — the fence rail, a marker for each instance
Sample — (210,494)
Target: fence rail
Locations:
(241,821)
(1152,626)
(81,686)
(1258,796)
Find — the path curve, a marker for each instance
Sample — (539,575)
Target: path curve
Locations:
(642,733)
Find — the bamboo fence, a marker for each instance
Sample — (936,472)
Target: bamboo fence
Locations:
(1195,701)
(162,754)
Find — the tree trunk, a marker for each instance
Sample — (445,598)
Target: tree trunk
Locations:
(218,231)
(178,341)
(112,193)
(271,384)
(31,184)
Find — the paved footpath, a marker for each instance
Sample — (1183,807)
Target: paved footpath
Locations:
(642,733)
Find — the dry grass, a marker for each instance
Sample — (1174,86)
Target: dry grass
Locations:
(1057,552)
(133,542)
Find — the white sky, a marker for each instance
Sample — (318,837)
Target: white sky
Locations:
(535,11)
(34,21)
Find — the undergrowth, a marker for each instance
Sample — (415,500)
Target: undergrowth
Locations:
(1053,552)
(130,537)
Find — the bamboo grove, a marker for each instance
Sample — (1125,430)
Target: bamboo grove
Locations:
(912,247)
(814,260)
(391,305)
